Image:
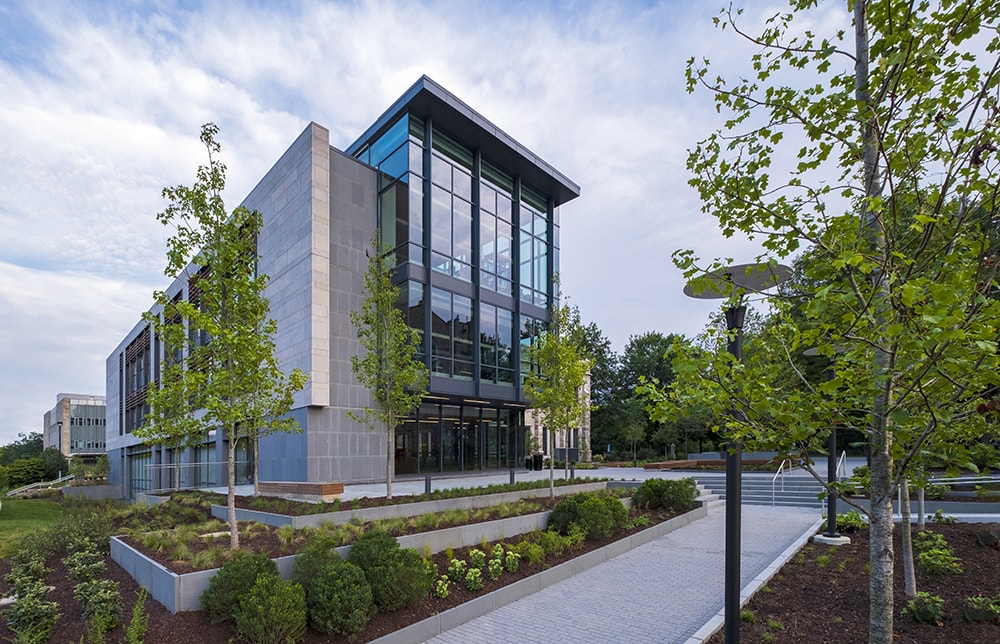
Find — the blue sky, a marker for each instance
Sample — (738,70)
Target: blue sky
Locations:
(101,105)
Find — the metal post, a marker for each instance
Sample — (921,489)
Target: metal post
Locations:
(734,494)
(512,476)
(427,484)
(831,477)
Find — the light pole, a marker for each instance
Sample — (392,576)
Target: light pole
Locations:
(831,537)
(733,283)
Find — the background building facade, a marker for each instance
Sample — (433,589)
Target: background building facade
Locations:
(473,220)
(76,426)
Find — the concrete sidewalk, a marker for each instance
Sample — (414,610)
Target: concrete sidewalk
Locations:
(669,590)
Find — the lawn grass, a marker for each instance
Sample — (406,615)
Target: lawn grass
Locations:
(20,516)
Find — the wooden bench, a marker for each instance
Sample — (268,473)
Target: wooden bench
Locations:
(297,489)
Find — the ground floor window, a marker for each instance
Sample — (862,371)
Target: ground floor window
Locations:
(458,438)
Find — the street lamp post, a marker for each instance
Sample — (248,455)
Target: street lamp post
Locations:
(734,282)
(831,537)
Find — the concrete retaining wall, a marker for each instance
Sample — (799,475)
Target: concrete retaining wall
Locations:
(401,509)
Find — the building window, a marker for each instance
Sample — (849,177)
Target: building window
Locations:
(534,275)
(137,379)
(451,335)
(496,334)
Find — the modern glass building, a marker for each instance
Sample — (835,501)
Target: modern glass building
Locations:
(76,426)
(473,220)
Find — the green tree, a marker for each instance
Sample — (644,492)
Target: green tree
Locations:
(606,390)
(388,368)
(25,446)
(54,462)
(25,471)
(633,425)
(892,177)
(559,368)
(229,370)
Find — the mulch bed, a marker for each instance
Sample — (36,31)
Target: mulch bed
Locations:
(818,600)
(195,628)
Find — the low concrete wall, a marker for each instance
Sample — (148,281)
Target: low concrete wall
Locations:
(401,509)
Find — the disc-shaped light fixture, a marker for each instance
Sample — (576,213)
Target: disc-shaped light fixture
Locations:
(738,279)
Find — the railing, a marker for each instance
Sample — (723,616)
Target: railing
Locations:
(169,477)
(842,466)
(41,484)
(780,472)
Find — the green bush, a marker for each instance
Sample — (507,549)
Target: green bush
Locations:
(273,612)
(938,562)
(511,561)
(477,558)
(673,495)
(32,617)
(441,589)
(565,513)
(495,569)
(927,540)
(862,476)
(982,609)
(601,516)
(371,548)
(936,491)
(339,600)
(553,544)
(101,601)
(474,579)
(925,609)
(402,580)
(85,563)
(139,624)
(851,522)
(318,553)
(456,569)
(532,553)
(940,518)
(222,596)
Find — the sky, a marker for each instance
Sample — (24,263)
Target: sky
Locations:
(101,105)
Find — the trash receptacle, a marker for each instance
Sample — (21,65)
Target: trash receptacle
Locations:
(527,463)
(536,462)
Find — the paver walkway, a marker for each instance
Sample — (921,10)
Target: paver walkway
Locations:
(664,591)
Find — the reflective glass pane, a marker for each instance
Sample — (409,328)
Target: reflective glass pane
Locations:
(416,159)
(388,142)
(441,172)
(462,185)
(440,220)
(462,233)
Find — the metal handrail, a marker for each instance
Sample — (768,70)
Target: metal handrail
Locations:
(842,466)
(40,484)
(781,469)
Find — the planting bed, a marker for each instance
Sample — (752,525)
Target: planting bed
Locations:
(821,595)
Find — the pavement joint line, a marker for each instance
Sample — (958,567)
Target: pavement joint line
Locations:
(713,625)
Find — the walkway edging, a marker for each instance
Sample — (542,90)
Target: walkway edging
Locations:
(489,602)
(713,625)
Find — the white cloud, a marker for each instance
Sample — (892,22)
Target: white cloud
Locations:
(103,102)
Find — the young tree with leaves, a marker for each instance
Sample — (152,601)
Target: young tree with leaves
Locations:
(893,180)
(228,377)
(554,383)
(388,368)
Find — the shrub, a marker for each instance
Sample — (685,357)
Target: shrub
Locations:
(851,522)
(474,579)
(511,561)
(101,601)
(938,562)
(552,543)
(339,600)
(927,540)
(925,609)
(222,596)
(405,578)
(936,491)
(532,553)
(600,516)
(497,552)
(86,563)
(941,518)
(862,476)
(565,513)
(983,609)
(32,617)
(457,569)
(477,558)
(495,569)
(441,588)
(672,495)
(371,548)
(318,553)
(272,611)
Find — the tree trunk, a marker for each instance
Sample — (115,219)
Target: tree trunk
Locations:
(256,460)
(552,468)
(566,454)
(234,531)
(388,461)
(921,526)
(909,574)
(880,550)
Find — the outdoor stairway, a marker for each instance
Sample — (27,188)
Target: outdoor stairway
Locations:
(800,489)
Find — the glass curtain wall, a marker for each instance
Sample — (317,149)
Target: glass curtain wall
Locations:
(458,438)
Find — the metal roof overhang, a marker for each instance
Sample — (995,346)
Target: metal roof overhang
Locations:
(427,98)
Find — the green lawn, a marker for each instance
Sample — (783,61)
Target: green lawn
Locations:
(20,516)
